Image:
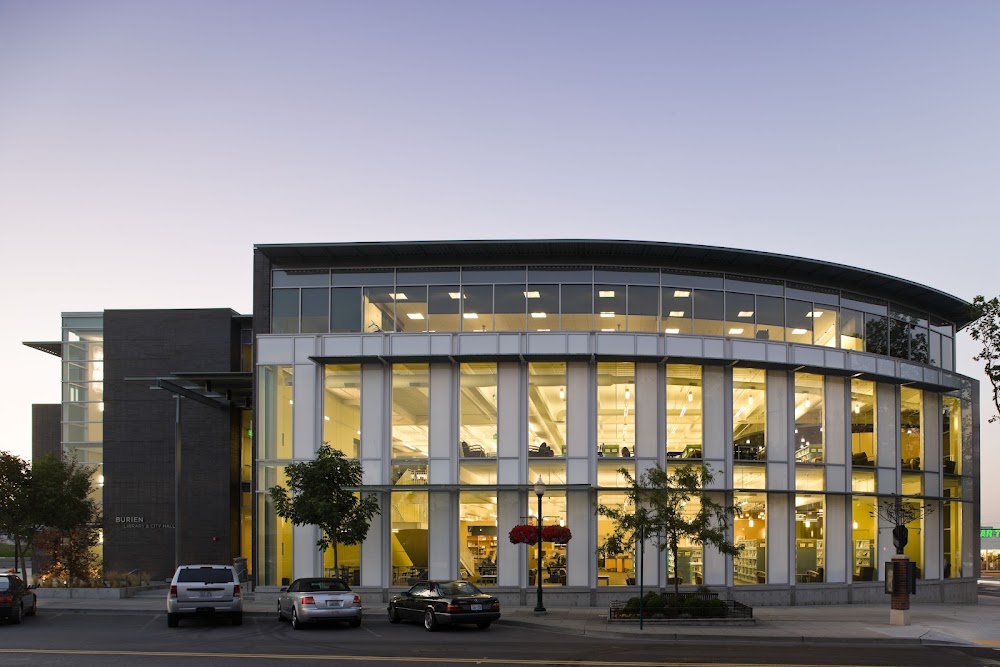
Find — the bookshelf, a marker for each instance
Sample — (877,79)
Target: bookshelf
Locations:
(749,562)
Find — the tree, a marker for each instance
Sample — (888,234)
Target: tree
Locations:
(15,506)
(658,502)
(323,494)
(53,493)
(986,331)
(72,553)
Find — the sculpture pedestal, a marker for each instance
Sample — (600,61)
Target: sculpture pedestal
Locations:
(899,608)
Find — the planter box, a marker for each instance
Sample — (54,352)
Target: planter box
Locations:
(732,611)
(89,593)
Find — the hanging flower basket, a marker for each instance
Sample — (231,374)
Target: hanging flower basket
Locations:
(524,534)
(557,534)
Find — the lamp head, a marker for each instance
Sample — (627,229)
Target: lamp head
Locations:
(539,487)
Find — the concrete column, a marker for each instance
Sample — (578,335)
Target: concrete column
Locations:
(511,558)
(511,424)
(837,533)
(581,560)
(442,536)
(443,425)
(780,535)
(581,440)
(375,549)
(375,418)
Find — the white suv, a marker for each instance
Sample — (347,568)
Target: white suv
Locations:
(204,589)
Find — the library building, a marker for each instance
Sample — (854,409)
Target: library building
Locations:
(478,381)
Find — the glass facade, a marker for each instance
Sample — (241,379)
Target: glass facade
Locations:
(587,298)
(472,434)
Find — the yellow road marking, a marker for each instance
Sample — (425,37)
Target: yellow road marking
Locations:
(400,659)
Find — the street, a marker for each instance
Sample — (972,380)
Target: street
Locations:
(60,638)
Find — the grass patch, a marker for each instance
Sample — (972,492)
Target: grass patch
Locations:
(7,551)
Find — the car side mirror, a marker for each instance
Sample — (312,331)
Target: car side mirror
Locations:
(32,587)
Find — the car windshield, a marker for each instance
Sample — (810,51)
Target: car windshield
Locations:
(4,584)
(458,588)
(205,575)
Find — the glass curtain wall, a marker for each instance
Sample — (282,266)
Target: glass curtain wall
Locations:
(477,429)
(408,522)
(546,435)
(863,449)
(864,539)
(274,446)
(611,568)
(553,555)
(810,541)
(83,396)
(348,562)
(584,299)
(808,408)
(410,409)
(615,409)
(342,408)
(952,538)
(750,534)
(749,414)
(685,430)
(911,417)
(477,531)
(951,435)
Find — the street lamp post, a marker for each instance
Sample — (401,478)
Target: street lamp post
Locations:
(539,491)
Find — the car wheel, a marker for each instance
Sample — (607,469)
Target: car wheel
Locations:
(430,622)
(393,614)
(483,626)
(172,620)
(356,623)
(238,618)
(296,623)
(15,614)
(34,608)
(280,616)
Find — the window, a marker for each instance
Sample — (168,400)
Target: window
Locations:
(750,534)
(477,429)
(615,409)
(409,537)
(810,542)
(863,448)
(546,411)
(808,408)
(951,435)
(709,313)
(684,411)
(910,427)
(749,414)
(342,408)
(410,405)
(477,529)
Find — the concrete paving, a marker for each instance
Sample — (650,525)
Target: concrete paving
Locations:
(930,623)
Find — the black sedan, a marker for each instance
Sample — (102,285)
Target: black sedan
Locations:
(439,603)
(16,599)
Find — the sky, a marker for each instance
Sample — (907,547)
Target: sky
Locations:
(145,147)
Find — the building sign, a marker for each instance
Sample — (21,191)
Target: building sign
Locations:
(989,532)
(140,522)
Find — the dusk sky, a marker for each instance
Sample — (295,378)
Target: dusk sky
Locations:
(145,147)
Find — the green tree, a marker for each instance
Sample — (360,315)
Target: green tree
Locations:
(986,331)
(322,492)
(16,512)
(655,508)
(54,493)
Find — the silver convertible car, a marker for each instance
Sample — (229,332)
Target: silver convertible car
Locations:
(315,600)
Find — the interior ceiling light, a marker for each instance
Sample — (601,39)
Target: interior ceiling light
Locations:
(680,293)
(857,408)
(539,316)
(607,313)
(676,313)
(808,403)
(398,296)
(735,331)
(533,294)
(690,395)
(326,418)
(627,393)
(798,332)
(415,316)
(671,331)
(471,316)
(545,329)
(607,329)
(455,295)
(751,522)
(562,393)
(745,313)
(606,293)
(814,313)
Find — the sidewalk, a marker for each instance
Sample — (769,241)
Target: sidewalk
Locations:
(930,623)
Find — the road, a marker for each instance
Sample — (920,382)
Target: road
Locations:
(130,639)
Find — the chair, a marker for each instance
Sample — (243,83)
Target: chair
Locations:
(860,459)
(472,451)
(626,453)
(949,466)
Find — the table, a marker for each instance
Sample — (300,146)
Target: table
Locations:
(603,578)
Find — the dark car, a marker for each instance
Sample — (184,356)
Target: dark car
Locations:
(16,599)
(444,603)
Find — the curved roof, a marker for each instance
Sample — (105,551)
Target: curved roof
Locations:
(623,253)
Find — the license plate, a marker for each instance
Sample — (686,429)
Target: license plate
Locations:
(333,603)
(477,607)
(206,594)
